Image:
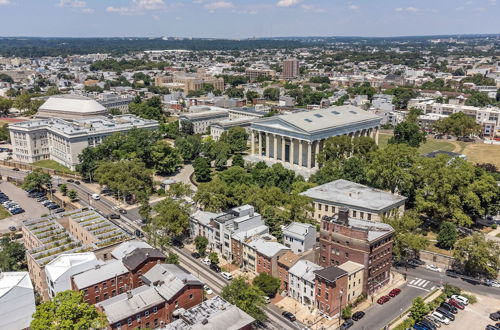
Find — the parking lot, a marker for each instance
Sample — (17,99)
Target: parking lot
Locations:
(476,316)
(31,207)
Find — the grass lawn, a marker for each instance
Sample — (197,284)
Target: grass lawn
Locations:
(431,247)
(52,164)
(4,213)
(428,146)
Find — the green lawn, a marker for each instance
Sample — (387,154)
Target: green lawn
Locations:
(4,213)
(427,147)
(52,164)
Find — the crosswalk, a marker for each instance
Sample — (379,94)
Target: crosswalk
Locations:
(421,284)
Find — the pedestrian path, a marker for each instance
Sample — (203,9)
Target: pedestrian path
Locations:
(421,284)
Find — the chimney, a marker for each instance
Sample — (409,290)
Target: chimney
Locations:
(129,295)
(344,215)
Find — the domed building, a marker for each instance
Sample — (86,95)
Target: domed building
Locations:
(71,106)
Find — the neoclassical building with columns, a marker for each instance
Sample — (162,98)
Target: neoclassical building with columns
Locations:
(295,140)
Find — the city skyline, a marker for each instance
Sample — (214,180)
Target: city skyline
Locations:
(242,19)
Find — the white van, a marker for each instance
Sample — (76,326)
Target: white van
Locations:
(461,299)
(227,275)
(440,317)
(96,197)
(266,299)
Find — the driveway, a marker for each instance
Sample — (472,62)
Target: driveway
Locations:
(32,208)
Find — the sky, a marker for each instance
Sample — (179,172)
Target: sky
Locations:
(246,18)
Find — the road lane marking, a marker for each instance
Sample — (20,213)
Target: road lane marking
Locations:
(417,287)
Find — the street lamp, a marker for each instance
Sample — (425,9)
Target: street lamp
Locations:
(340,305)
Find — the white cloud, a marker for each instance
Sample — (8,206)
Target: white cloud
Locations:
(149,4)
(4,2)
(312,8)
(287,3)
(408,9)
(353,7)
(218,5)
(138,7)
(72,3)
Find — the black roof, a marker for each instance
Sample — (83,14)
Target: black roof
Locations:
(135,258)
(331,273)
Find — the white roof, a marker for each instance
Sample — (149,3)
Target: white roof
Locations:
(267,248)
(9,280)
(126,247)
(72,103)
(304,269)
(298,230)
(64,262)
(92,276)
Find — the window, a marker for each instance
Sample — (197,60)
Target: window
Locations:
(319,292)
(326,295)
(354,213)
(146,313)
(190,296)
(138,317)
(129,321)
(113,293)
(119,325)
(156,322)
(369,216)
(97,299)
(155,310)
(361,215)
(347,254)
(319,206)
(326,208)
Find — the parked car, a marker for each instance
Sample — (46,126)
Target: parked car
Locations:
(195,255)
(17,211)
(495,316)
(12,228)
(433,268)
(493,283)
(394,292)
(440,318)
(15,169)
(358,316)
(215,268)
(70,180)
(206,261)
(382,300)
(114,216)
(227,275)
(207,289)
(76,182)
(53,206)
(41,199)
(446,313)
(461,299)
(456,303)
(432,321)
(289,316)
(267,300)
(449,307)
(96,197)
(347,324)
(46,202)
(59,210)
(492,327)
(122,211)
(419,326)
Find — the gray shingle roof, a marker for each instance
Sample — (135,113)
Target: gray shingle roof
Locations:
(135,258)
(100,273)
(331,273)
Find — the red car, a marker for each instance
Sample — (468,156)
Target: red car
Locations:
(394,292)
(382,300)
(456,303)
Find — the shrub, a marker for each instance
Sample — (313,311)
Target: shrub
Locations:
(494,226)
(449,290)
(347,312)
(472,298)
(161,192)
(408,323)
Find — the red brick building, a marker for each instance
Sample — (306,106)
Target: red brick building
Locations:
(330,290)
(116,276)
(285,262)
(166,288)
(365,242)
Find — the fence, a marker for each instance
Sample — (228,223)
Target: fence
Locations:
(29,167)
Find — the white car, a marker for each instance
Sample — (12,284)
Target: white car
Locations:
(227,275)
(493,283)
(96,197)
(461,299)
(207,289)
(206,261)
(433,268)
(440,317)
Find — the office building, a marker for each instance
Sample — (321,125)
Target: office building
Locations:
(202,120)
(291,68)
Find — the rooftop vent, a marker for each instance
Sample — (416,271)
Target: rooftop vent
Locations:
(353,112)
(336,112)
(129,295)
(317,115)
(308,120)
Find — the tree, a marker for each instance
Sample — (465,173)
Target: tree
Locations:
(64,189)
(179,190)
(246,297)
(344,146)
(458,124)
(187,127)
(36,180)
(12,254)
(418,309)
(238,160)
(172,258)
(214,258)
(5,105)
(252,95)
(347,312)
(479,99)
(236,138)
(189,147)
(267,284)
(201,167)
(235,92)
(165,158)
(201,243)
(447,235)
(223,154)
(478,255)
(73,195)
(67,310)
(171,220)
(408,132)
(272,94)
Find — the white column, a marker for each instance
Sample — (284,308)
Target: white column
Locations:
(283,143)
(309,154)
(260,144)
(267,146)
(317,152)
(292,151)
(300,152)
(275,147)
(376,135)
(252,151)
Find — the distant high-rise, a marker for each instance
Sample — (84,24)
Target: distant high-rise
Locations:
(291,68)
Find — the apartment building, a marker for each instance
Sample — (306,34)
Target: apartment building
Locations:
(330,288)
(17,300)
(302,279)
(254,72)
(48,237)
(363,202)
(291,68)
(63,140)
(265,252)
(355,279)
(239,239)
(285,262)
(167,288)
(299,237)
(344,238)
(203,119)
(219,228)
(116,276)
(213,313)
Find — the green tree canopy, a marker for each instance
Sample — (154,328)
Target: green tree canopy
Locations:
(189,147)
(171,220)
(202,170)
(247,297)
(267,284)
(165,158)
(236,138)
(408,132)
(418,309)
(478,255)
(201,243)
(447,235)
(12,254)
(407,239)
(67,311)
(36,180)
(272,94)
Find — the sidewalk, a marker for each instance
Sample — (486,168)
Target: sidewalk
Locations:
(396,281)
